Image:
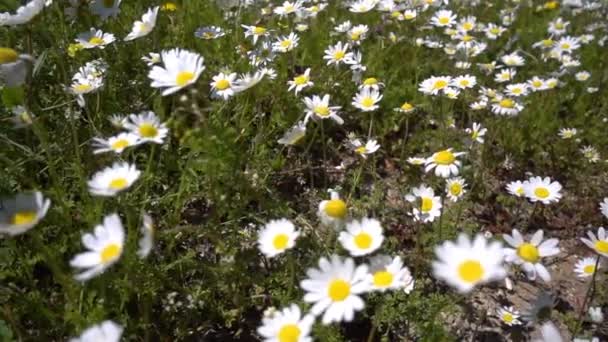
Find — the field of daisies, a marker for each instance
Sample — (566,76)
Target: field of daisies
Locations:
(306,170)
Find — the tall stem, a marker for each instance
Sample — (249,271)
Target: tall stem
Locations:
(588,297)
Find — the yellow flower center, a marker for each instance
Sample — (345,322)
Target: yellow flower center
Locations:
(96,40)
(383,279)
(338,290)
(118,183)
(361,150)
(280,241)
(23,217)
(565,46)
(551,5)
(547,42)
(183,78)
(537,84)
(289,333)
(444,157)
(8,55)
(258,30)
(467,38)
(507,103)
(528,252)
(120,144)
(222,84)
(427,204)
(367,102)
(336,208)
(589,269)
(321,110)
(507,317)
(541,192)
(301,80)
(456,189)
(559,26)
(601,246)
(147,130)
(338,55)
(495,30)
(471,271)
(440,84)
(355,36)
(110,253)
(209,35)
(407,106)
(169,7)
(464,82)
(363,240)
(286,43)
(467,26)
(81,88)
(444,20)
(370,81)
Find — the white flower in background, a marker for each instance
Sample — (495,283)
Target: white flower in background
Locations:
(210,32)
(22,212)
(600,243)
(517,89)
(105,246)
(590,153)
(516,188)
(362,237)
(335,288)
(25,13)
(294,134)
(116,144)
(542,190)
(300,82)
(529,254)
(152,58)
(223,85)
(455,188)
(106,331)
(596,314)
(14,67)
(288,7)
(337,54)
(255,32)
(362,6)
(418,161)
(567,133)
(286,43)
(508,315)
(286,325)
(334,210)
(114,179)
(434,85)
(276,237)
(549,333)
(444,162)
(388,273)
(464,82)
(180,69)
(585,267)
(443,18)
(143,27)
(505,75)
(248,80)
(367,100)
(319,108)
(477,132)
(95,39)
(582,76)
(506,106)
(537,84)
(513,59)
(105,8)
(147,126)
(427,205)
(370,147)
(604,207)
(468,263)
(146,242)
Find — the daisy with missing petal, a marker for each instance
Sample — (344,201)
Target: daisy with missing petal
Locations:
(468,263)
(286,43)
(115,144)
(105,8)
(455,188)
(600,243)
(145,26)
(427,205)
(95,39)
(223,85)
(180,69)
(604,207)
(516,189)
(334,210)
(444,162)
(255,32)
(585,267)
(443,18)
(105,246)
(529,254)
(300,82)
(567,133)
(367,100)
(21,213)
(147,126)
(287,325)
(505,75)
(362,237)
(319,108)
(508,315)
(389,274)
(335,288)
(112,180)
(294,134)
(477,132)
(370,147)
(106,331)
(542,190)
(146,242)
(276,237)
(337,54)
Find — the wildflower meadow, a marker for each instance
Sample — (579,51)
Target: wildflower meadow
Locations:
(303,170)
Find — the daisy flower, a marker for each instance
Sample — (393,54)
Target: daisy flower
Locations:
(513,59)
(319,108)
(362,6)
(337,54)
(585,267)
(433,85)
(95,39)
(455,188)
(595,314)
(604,207)
(505,75)
(582,76)
(22,117)
(146,242)
(248,80)
(477,132)
(370,147)
(464,82)
(300,82)
(286,43)
(358,33)
(288,7)
(23,14)
(428,206)
(508,315)
(21,213)
(506,106)
(143,27)
(367,100)
(542,190)
(516,189)
(362,237)
(223,85)
(106,331)
(105,8)
(14,67)
(443,18)
(371,83)
(494,31)
(389,274)
(209,32)
(444,162)
(147,126)
(335,288)
(517,89)
(287,325)
(294,134)
(112,180)
(181,68)
(255,32)
(406,107)
(152,58)
(333,211)
(116,144)
(567,133)
(105,246)
(567,44)
(529,254)
(600,243)
(276,237)
(468,263)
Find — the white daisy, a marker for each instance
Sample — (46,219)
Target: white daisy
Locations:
(286,43)
(362,237)
(455,188)
(223,85)
(276,237)
(604,207)
(143,27)
(337,54)
(148,127)
(370,147)
(508,315)
(427,205)
(433,85)
(443,18)
(21,213)
(115,144)
(300,82)
(477,132)
(255,32)
(367,100)
(14,67)
(24,14)
(464,82)
(529,254)
(146,242)
(112,180)
(444,162)
(95,39)
(585,267)
(181,68)
(567,133)
(287,325)
(506,106)
(600,243)
(319,108)
(333,211)
(542,190)
(516,188)
(389,274)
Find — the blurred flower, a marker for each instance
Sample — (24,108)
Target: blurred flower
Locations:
(529,254)
(106,331)
(146,242)
(21,213)
(389,274)
(116,143)
(427,205)
(148,127)
(600,243)
(105,8)
(286,325)
(112,180)
(145,26)
(333,211)
(95,39)
(362,237)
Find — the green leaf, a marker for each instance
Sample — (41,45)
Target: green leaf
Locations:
(12,96)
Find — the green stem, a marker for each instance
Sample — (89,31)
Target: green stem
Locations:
(588,297)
